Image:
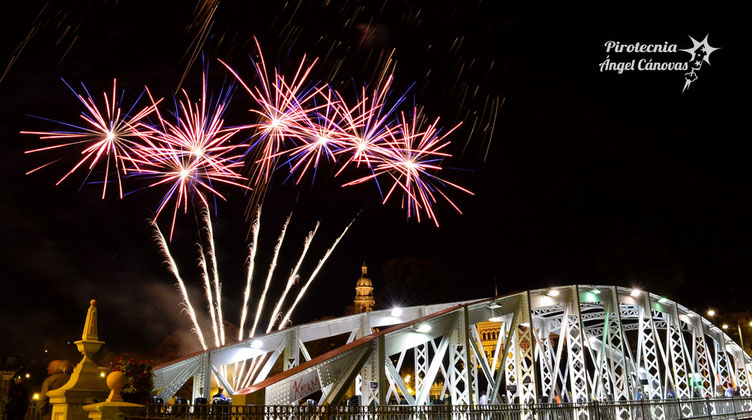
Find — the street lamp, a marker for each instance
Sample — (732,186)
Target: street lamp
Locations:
(739,329)
(712,313)
(741,340)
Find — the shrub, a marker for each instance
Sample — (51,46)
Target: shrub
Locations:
(139,379)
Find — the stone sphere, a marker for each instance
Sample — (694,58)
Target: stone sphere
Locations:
(116,380)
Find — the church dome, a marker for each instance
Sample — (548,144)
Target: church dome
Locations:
(364,280)
(364,301)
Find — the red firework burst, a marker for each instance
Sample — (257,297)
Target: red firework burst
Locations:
(410,157)
(108,138)
(192,154)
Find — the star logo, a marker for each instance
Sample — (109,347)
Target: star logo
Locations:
(700,53)
(701,49)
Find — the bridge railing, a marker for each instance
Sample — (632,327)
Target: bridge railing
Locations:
(722,408)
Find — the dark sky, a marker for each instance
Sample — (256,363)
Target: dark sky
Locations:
(589,177)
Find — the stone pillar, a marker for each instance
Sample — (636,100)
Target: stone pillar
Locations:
(86,385)
(114,407)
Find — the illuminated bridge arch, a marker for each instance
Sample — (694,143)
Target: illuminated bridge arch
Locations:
(567,344)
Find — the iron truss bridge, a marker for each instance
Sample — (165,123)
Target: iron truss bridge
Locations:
(569,344)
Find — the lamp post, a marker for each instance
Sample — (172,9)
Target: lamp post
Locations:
(739,328)
(711,313)
(741,339)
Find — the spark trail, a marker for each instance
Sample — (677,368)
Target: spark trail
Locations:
(215,277)
(272,267)
(293,277)
(209,295)
(249,277)
(242,373)
(313,276)
(174,269)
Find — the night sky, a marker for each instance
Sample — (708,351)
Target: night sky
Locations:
(585,176)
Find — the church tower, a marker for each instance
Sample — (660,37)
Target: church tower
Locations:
(363,292)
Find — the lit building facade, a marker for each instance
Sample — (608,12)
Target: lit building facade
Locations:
(364,300)
(489,334)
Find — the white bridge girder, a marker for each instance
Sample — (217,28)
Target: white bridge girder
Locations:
(568,343)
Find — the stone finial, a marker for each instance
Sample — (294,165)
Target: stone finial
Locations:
(116,382)
(90,327)
(89,343)
(114,408)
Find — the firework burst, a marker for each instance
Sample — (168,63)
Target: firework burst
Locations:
(367,125)
(283,106)
(192,154)
(109,137)
(321,136)
(299,124)
(410,157)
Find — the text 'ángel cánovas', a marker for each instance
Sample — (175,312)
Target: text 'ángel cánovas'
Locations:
(641,64)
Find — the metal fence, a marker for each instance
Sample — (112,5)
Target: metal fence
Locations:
(32,413)
(724,408)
